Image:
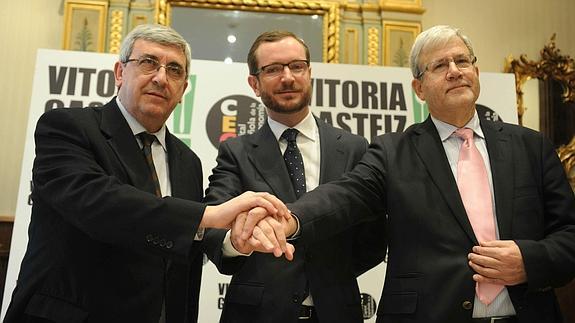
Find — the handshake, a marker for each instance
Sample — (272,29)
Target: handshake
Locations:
(258,222)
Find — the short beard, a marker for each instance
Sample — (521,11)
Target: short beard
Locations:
(275,106)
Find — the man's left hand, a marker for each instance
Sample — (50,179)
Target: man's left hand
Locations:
(498,262)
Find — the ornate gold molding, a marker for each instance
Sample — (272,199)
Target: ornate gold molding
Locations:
(409,6)
(555,66)
(115,35)
(329,11)
(372,46)
(162,12)
(552,65)
(396,6)
(567,157)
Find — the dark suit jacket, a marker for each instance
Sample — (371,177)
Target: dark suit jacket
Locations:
(269,289)
(407,176)
(99,237)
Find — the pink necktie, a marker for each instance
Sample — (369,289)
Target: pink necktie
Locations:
(474,190)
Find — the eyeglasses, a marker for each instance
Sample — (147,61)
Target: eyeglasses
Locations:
(441,66)
(149,65)
(296,67)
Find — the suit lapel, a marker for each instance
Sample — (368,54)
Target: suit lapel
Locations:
(122,141)
(267,159)
(430,149)
(181,176)
(332,156)
(501,160)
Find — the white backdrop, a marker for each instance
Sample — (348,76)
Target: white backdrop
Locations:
(218,104)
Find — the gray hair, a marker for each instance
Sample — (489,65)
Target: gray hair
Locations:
(432,37)
(155,33)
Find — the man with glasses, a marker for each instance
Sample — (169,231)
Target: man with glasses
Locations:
(116,198)
(292,153)
(481,219)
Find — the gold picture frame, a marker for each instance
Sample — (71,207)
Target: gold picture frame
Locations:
(409,6)
(398,39)
(85,25)
(329,11)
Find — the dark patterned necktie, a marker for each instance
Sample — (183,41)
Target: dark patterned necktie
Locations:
(147,141)
(294,162)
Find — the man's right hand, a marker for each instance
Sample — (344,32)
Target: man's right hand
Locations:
(268,233)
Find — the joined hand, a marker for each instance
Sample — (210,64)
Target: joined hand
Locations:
(498,262)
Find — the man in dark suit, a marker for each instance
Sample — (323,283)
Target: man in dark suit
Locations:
(437,254)
(320,284)
(112,234)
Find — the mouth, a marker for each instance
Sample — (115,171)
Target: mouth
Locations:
(460,86)
(156,94)
(288,91)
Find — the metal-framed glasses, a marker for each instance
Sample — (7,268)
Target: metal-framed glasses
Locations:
(441,66)
(149,65)
(296,67)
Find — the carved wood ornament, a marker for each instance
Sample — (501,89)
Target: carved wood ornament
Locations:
(555,66)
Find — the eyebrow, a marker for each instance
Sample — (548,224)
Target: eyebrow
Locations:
(158,59)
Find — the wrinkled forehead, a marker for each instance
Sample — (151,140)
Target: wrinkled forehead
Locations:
(441,48)
(170,52)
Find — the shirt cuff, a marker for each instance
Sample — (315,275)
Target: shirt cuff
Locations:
(199,236)
(228,249)
(297,231)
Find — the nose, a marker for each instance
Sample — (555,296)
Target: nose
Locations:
(160,76)
(287,76)
(453,72)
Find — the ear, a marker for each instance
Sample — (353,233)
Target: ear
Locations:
(254,84)
(184,87)
(477,70)
(118,69)
(416,85)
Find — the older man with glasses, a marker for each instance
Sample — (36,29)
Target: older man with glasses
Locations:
(481,219)
(117,211)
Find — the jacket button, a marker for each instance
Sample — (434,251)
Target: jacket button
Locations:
(169,244)
(295,298)
(162,242)
(149,238)
(467,305)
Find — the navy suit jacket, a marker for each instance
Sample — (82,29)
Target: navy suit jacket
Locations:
(99,237)
(407,176)
(269,289)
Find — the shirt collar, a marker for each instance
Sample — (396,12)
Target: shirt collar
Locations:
(136,127)
(445,130)
(306,127)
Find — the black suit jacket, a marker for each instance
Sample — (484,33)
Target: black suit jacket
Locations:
(99,237)
(407,176)
(269,289)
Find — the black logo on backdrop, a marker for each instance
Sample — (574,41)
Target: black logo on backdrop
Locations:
(486,113)
(233,116)
(368,306)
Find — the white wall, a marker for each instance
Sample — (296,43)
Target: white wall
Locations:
(25,25)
